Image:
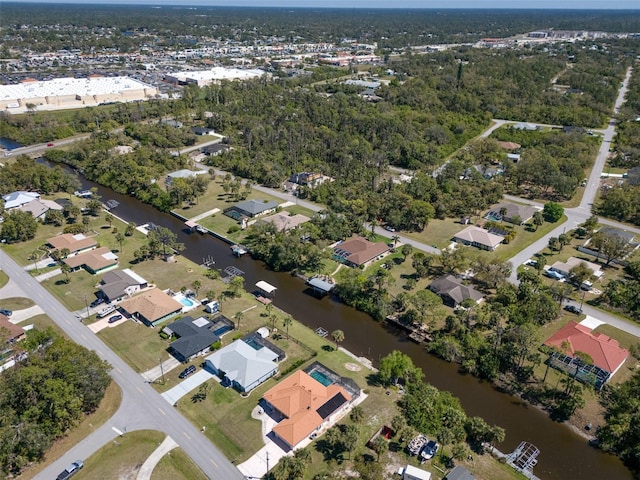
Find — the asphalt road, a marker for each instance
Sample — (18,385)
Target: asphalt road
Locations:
(142,407)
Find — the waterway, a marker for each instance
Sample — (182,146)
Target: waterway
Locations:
(9,144)
(564,454)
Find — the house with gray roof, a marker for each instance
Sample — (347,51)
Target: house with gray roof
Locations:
(512,212)
(251,209)
(478,237)
(118,284)
(194,337)
(241,366)
(453,292)
(19,198)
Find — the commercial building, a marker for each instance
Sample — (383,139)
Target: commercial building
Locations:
(61,93)
(203,78)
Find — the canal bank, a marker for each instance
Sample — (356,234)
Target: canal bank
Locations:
(564,454)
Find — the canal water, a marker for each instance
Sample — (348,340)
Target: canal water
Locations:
(8,144)
(564,454)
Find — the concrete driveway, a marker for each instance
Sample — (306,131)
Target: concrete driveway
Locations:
(187,385)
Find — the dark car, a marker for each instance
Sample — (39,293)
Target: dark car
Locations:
(97,302)
(114,319)
(71,470)
(7,313)
(573,309)
(187,371)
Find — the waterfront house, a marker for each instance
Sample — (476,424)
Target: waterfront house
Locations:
(250,209)
(118,284)
(358,251)
(605,353)
(193,337)
(478,237)
(242,366)
(94,261)
(38,208)
(306,401)
(151,307)
(76,244)
(453,292)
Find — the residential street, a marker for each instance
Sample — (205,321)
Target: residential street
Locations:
(142,407)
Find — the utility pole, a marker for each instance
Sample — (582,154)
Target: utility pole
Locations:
(86,304)
(161,369)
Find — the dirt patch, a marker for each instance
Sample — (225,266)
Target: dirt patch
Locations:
(353,367)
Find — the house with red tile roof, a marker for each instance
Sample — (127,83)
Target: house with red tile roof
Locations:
(606,354)
(358,251)
(305,402)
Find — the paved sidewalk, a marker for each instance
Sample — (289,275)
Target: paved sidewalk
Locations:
(150,463)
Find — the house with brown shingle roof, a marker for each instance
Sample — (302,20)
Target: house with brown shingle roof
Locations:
(74,243)
(304,405)
(453,292)
(358,251)
(605,353)
(10,332)
(478,237)
(151,307)
(94,261)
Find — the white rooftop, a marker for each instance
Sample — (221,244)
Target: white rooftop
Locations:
(70,86)
(220,73)
(266,287)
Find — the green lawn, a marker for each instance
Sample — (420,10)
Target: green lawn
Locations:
(140,346)
(121,458)
(626,340)
(4,279)
(16,303)
(177,465)
(215,197)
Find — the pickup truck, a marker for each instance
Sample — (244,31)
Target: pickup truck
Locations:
(71,470)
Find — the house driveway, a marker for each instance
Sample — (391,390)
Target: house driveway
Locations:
(591,322)
(25,314)
(188,384)
(156,372)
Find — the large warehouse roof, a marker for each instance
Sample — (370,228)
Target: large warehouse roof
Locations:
(70,86)
(217,73)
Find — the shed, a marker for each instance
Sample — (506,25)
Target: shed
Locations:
(266,288)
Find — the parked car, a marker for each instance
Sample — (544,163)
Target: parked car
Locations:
(389,228)
(49,144)
(71,470)
(5,312)
(429,450)
(187,371)
(97,302)
(573,309)
(114,319)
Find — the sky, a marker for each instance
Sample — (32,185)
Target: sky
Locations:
(435,4)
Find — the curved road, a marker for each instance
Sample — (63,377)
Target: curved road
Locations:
(142,407)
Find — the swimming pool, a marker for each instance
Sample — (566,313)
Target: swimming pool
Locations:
(186,302)
(496,217)
(253,344)
(321,377)
(222,330)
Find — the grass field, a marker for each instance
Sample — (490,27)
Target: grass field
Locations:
(4,279)
(122,458)
(16,303)
(177,465)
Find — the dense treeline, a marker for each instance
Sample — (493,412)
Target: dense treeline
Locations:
(45,394)
(27,174)
(388,28)
(621,433)
(622,202)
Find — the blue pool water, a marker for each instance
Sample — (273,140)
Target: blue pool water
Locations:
(253,344)
(186,302)
(321,377)
(493,216)
(222,329)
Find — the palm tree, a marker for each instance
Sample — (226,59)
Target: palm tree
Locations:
(120,239)
(239,316)
(66,269)
(395,239)
(338,337)
(196,284)
(109,219)
(357,415)
(287,321)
